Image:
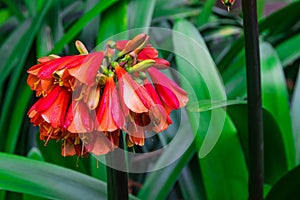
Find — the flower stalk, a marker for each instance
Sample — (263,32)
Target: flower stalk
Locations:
(255,120)
(117,181)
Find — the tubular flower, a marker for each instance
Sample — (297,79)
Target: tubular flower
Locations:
(109,114)
(86,100)
(49,113)
(171,94)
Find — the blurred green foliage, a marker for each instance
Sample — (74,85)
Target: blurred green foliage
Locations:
(31,29)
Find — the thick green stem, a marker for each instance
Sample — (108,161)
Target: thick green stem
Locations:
(255,123)
(117,181)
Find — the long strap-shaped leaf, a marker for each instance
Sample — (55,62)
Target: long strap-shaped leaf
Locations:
(29,176)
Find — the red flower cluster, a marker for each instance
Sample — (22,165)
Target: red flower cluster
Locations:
(87,99)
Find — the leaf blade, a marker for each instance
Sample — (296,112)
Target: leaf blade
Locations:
(77,27)
(47,180)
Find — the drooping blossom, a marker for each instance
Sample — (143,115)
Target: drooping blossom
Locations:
(109,114)
(87,101)
(171,94)
(49,113)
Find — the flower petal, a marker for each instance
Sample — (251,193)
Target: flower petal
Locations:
(78,119)
(174,96)
(134,95)
(148,53)
(104,144)
(87,71)
(105,118)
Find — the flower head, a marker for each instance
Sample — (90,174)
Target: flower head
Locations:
(87,100)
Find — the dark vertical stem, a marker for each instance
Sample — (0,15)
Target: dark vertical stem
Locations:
(255,123)
(117,181)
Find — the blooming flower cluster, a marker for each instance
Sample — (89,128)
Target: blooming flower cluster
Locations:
(86,100)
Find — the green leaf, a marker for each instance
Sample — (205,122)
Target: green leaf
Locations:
(275,101)
(268,26)
(140,13)
(295,115)
(267,189)
(52,154)
(260,8)
(205,81)
(204,15)
(287,187)
(35,154)
(225,167)
(78,25)
(17,117)
(191,186)
(13,6)
(41,179)
(9,49)
(4,15)
(160,182)
(34,6)
(89,33)
(206,105)
(17,56)
(216,133)
(275,161)
(161,13)
(98,169)
(113,21)
(288,51)
(44,41)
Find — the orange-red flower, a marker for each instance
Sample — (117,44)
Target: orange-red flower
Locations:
(146,112)
(105,142)
(150,52)
(51,109)
(158,113)
(86,101)
(171,94)
(49,113)
(109,114)
(87,70)
(78,118)
(134,96)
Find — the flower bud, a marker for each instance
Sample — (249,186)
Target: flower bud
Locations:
(142,75)
(111,44)
(48,58)
(81,48)
(138,42)
(101,78)
(145,64)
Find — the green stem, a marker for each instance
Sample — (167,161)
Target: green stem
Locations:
(255,123)
(117,181)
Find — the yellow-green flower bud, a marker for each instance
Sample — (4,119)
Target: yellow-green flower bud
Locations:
(141,66)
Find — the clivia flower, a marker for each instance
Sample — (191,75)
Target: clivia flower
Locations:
(49,113)
(171,94)
(228,3)
(86,101)
(109,114)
